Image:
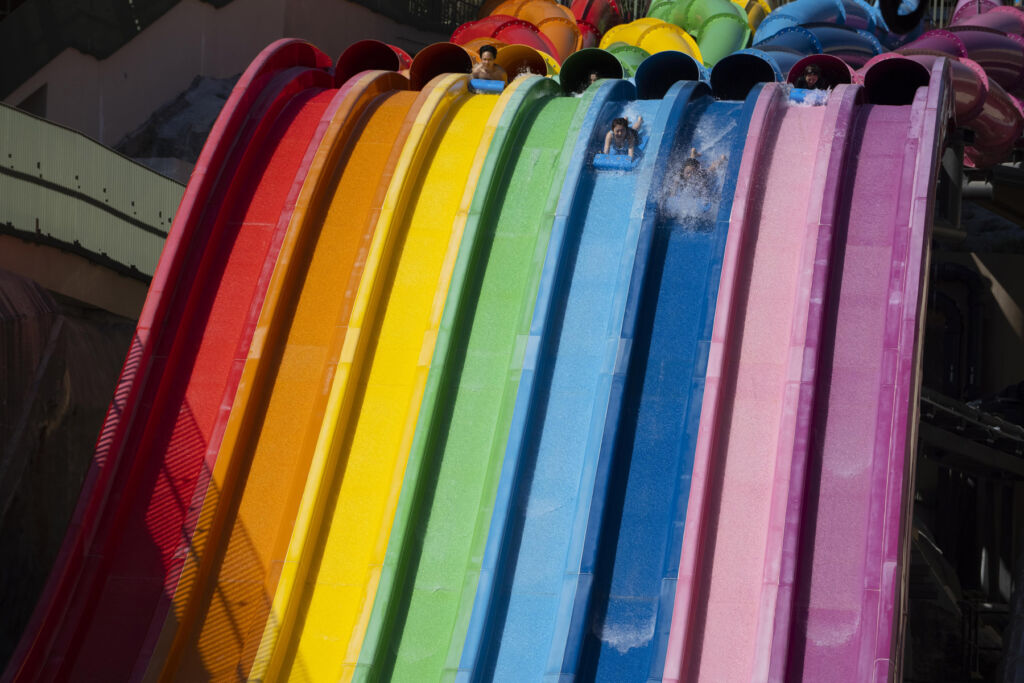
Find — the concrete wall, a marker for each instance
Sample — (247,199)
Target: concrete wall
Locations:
(108,99)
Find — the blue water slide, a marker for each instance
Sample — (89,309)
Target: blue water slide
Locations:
(852,14)
(853,46)
(660,71)
(795,38)
(799,13)
(621,620)
(530,573)
(735,75)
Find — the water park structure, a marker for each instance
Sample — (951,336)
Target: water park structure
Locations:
(428,387)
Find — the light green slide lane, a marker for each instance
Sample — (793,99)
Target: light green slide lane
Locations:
(428,581)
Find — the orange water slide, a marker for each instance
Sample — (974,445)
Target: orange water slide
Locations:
(223,601)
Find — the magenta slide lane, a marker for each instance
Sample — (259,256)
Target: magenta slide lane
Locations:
(857,489)
(750,423)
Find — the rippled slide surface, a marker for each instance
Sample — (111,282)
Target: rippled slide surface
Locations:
(333,562)
(108,594)
(437,541)
(745,441)
(521,616)
(634,536)
(786,336)
(224,603)
(845,591)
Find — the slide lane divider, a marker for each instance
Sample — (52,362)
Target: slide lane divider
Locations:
(754,159)
(430,571)
(76,616)
(222,601)
(621,620)
(731,551)
(567,198)
(572,352)
(367,433)
(854,540)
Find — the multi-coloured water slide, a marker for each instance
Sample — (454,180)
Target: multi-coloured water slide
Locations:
(421,392)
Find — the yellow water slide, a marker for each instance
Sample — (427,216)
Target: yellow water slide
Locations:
(652,35)
(329,577)
(223,597)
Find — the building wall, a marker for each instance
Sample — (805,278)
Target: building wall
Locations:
(106,99)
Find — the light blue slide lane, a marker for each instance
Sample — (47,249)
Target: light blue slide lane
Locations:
(621,624)
(530,576)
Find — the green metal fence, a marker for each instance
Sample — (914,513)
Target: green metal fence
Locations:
(61,188)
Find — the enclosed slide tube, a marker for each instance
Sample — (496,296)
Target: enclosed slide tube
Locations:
(521,615)
(556,22)
(119,563)
(848,515)
(575,74)
(735,76)
(621,617)
(600,14)
(221,609)
(329,577)
(999,123)
(652,35)
(854,15)
(833,69)
(720,27)
(430,572)
(502,29)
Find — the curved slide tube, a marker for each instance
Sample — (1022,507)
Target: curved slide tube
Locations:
(658,72)
(499,30)
(530,574)
(833,69)
(437,59)
(620,623)
(720,27)
(553,20)
(999,123)
(629,56)
(575,74)
(222,608)
(324,596)
(735,76)
(601,14)
(851,505)
(430,572)
(518,60)
(119,562)
(366,55)
(652,36)
(748,425)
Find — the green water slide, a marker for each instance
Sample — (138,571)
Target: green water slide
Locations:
(720,27)
(428,581)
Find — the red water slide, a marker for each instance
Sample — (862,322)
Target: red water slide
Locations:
(110,587)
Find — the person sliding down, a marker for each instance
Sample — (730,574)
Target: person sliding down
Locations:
(486,69)
(622,139)
(811,79)
(698,180)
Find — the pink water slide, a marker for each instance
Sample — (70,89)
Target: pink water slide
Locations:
(791,560)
